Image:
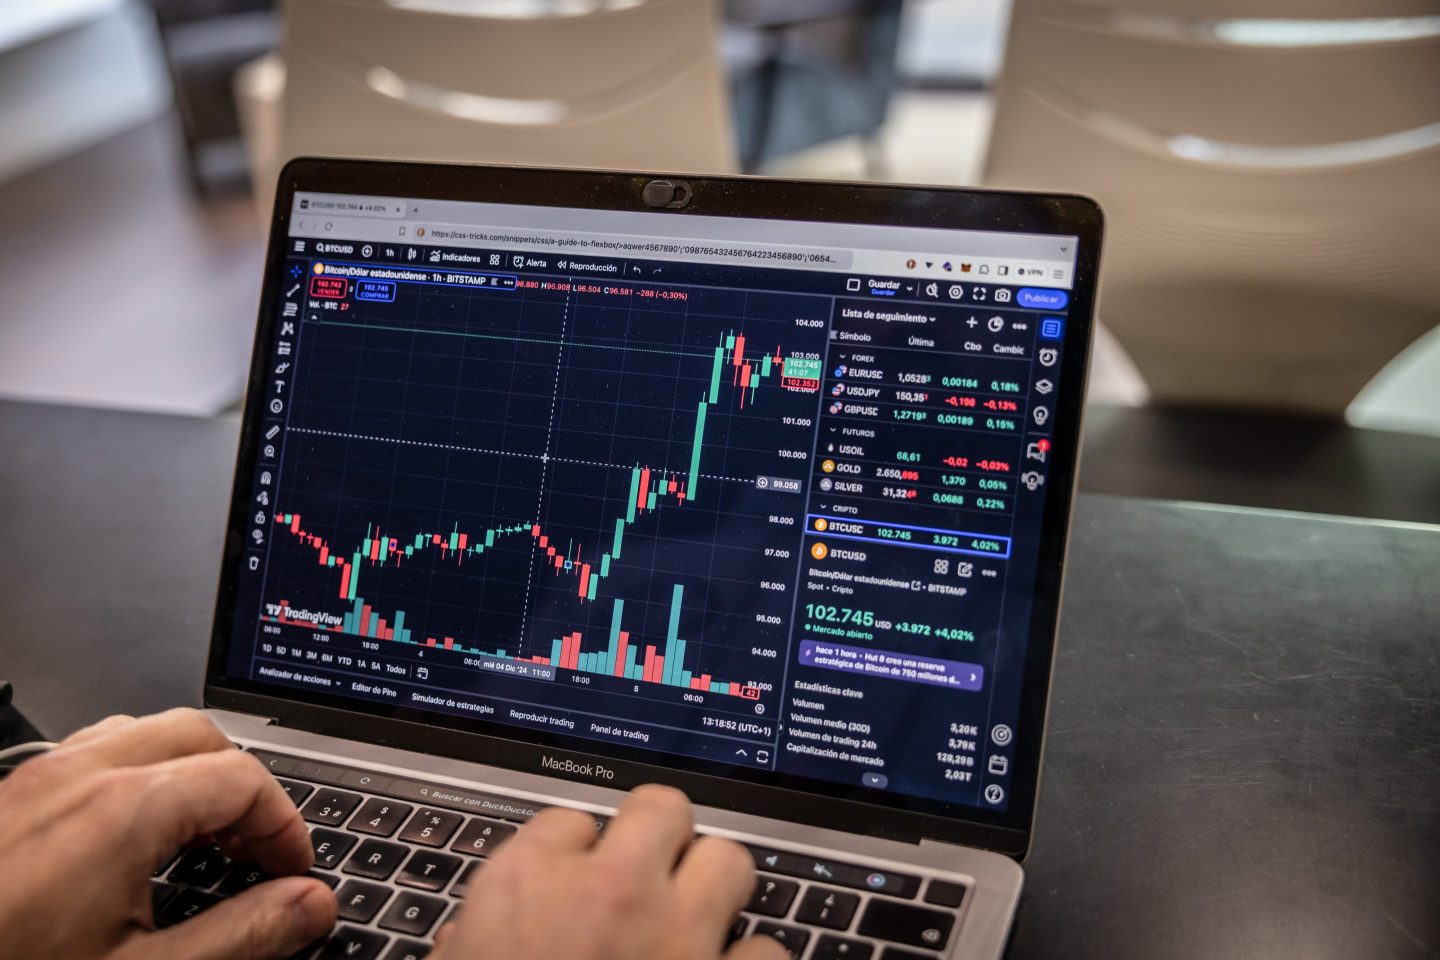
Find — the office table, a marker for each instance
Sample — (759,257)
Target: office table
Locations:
(1244,749)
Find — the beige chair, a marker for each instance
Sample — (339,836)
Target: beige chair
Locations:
(601,83)
(633,85)
(1272,186)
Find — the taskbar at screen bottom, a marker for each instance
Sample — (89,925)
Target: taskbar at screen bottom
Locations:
(720,731)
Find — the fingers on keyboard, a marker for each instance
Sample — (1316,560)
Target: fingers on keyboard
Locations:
(387,860)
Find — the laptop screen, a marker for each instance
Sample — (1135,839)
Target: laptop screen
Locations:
(703,491)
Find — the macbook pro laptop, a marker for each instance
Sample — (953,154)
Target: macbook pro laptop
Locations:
(554,483)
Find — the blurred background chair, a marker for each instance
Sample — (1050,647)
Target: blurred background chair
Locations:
(806,72)
(799,73)
(633,85)
(1272,186)
(206,42)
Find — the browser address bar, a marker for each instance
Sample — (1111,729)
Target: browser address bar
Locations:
(922,266)
(626,245)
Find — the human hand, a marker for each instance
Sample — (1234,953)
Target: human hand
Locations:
(640,891)
(83,827)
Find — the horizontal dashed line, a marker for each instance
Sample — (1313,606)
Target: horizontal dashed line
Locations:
(498,453)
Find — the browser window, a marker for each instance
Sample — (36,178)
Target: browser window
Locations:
(656,488)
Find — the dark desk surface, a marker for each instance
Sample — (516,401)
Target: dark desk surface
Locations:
(1244,748)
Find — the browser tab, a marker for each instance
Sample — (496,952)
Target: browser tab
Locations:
(344,205)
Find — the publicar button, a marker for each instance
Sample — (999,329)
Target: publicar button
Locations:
(1035,298)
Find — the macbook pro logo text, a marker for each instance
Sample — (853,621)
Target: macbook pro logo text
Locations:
(578,769)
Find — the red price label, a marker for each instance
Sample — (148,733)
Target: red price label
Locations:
(331,288)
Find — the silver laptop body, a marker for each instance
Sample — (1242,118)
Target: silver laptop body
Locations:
(552,483)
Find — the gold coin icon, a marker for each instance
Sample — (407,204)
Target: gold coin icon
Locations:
(819,551)
(828,466)
(319,268)
(822,524)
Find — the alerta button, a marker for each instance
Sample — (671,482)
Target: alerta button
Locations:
(1036,299)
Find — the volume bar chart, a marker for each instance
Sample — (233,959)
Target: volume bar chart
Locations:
(622,657)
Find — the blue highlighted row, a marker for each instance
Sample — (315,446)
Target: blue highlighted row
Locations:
(906,535)
(892,665)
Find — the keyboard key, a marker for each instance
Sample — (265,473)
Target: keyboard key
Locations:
(902,923)
(840,874)
(429,870)
(330,807)
(430,827)
(199,868)
(841,948)
(184,905)
(896,953)
(408,950)
(943,893)
(352,943)
(168,860)
(413,913)
(480,837)
(772,896)
(822,907)
(467,877)
(376,859)
(360,900)
(242,876)
(737,931)
(160,894)
(791,938)
(330,847)
(380,818)
(329,879)
(296,791)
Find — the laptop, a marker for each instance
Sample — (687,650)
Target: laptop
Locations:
(553,483)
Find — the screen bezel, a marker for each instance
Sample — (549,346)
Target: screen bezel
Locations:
(855,809)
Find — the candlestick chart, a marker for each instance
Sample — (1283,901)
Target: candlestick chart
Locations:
(557,485)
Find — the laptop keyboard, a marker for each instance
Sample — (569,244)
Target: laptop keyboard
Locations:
(402,855)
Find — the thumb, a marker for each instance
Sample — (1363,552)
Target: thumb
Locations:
(274,919)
